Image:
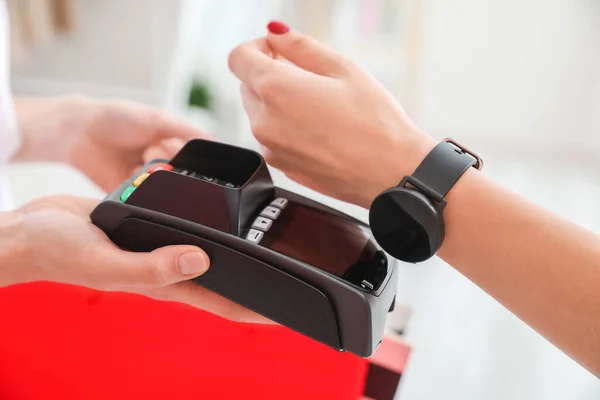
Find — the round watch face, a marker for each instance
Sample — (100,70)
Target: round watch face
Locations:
(405,224)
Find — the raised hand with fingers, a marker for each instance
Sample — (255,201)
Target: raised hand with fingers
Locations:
(314,114)
(105,139)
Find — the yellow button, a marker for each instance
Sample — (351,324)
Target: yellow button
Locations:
(140,179)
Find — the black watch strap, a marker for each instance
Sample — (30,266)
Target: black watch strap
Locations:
(442,167)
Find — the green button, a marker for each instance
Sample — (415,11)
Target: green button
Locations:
(127,193)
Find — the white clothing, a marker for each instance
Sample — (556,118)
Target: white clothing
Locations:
(9,138)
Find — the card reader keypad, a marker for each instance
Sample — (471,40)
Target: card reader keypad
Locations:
(270,212)
(138,181)
(266,219)
(262,223)
(279,203)
(255,235)
(141,178)
(207,178)
(168,167)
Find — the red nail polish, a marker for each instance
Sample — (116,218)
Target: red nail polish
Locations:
(277,27)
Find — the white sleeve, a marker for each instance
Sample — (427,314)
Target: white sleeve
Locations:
(9,135)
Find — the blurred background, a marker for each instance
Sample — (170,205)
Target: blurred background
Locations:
(517,80)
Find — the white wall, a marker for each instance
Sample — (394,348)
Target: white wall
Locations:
(516,71)
(118,48)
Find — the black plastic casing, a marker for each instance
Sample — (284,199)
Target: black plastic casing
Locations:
(169,208)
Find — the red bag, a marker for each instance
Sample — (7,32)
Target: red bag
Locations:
(66,342)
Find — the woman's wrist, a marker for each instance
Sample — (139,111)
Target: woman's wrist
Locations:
(399,158)
(50,127)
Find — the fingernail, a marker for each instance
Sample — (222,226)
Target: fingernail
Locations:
(193,263)
(278,27)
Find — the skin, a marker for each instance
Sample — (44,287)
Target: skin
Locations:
(328,125)
(52,239)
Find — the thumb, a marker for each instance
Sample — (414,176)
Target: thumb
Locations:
(161,267)
(304,51)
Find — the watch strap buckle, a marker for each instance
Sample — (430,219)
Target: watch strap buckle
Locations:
(478,160)
(423,188)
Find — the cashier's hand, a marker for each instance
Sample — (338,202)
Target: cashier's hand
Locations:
(324,121)
(105,139)
(52,239)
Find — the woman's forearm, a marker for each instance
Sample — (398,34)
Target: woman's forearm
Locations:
(542,267)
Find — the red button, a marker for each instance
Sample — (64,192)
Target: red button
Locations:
(161,167)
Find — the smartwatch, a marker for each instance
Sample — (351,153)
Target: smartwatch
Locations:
(407,220)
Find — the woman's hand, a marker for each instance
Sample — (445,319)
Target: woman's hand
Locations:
(52,239)
(106,140)
(325,122)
